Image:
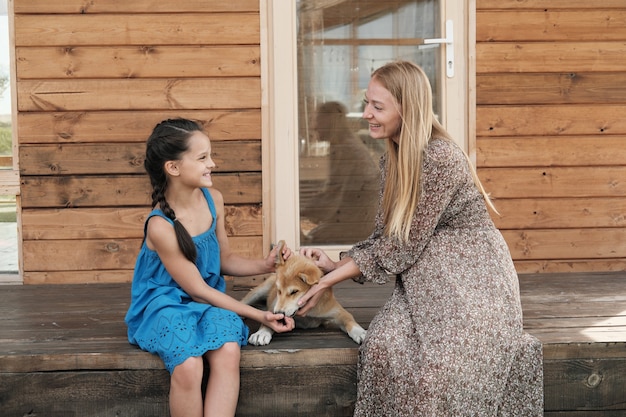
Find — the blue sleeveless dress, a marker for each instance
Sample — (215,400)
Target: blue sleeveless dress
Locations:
(162,319)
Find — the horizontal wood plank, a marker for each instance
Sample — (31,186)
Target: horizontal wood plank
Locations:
(565,182)
(561,244)
(135,6)
(106,254)
(72,159)
(123,158)
(137,29)
(560,287)
(587,334)
(585,413)
(132,125)
(84,223)
(583,5)
(586,385)
(609,322)
(574,266)
(103,276)
(283,390)
(556,151)
(138,62)
(124,190)
(244,220)
(550,120)
(120,222)
(9,182)
(548,88)
(560,213)
(546,25)
(81,255)
(577,57)
(51,192)
(118,390)
(139,94)
(597,312)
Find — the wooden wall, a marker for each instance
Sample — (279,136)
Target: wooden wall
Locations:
(551,129)
(93,78)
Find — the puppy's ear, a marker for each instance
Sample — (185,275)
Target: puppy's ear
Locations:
(279,255)
(311,275)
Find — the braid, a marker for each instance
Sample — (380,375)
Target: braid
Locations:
(158,195)
(166,143)
(182,235)
(166,209)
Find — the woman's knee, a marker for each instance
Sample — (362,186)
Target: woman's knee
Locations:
(188,375)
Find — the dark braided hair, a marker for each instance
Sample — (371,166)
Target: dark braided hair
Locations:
(168,141)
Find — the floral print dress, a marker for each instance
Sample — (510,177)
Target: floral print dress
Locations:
(449,341)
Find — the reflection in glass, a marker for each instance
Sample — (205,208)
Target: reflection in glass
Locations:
(340,43)
(341,207)
(8,206)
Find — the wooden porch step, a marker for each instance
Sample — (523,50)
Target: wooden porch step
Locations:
(63,352)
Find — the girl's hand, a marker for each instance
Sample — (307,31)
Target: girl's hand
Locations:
(270,261)
(321,259)
(279,322)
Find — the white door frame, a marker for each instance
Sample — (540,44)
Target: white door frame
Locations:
(280,111)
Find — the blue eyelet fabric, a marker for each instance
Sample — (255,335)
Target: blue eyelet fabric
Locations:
(162,319)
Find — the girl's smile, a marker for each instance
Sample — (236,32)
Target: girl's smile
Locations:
(196,164)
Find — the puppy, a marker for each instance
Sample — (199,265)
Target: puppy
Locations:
(283,289)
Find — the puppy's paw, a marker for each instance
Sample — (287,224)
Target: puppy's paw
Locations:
(261,337)
(357,333)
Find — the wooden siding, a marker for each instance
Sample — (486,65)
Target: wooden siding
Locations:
(93,78)
(551,132)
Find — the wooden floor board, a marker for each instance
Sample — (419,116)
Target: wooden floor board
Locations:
(68,330)
(564,309)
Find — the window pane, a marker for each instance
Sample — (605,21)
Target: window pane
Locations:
(8,236)
(339,45)
(5,91)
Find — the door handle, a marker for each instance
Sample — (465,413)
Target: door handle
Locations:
(448,41)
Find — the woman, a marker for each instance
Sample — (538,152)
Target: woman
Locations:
(449,341)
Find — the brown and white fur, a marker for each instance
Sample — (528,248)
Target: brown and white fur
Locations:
(283,289)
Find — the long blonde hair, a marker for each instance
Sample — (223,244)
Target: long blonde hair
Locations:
(410,87)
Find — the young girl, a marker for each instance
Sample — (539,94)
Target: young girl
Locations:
(178,308)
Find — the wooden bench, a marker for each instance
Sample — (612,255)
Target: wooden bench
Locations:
(63,352)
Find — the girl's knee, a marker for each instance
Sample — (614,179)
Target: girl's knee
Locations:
(228,355)
(188,375)
(231,349)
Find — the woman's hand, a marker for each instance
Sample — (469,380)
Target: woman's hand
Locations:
(279,322)
(310,299)
(339,271)
(320,258)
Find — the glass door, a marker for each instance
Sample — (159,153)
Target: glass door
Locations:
(340,44)
(320,56)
